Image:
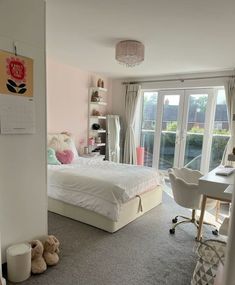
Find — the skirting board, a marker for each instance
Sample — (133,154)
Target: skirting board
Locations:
(129,211)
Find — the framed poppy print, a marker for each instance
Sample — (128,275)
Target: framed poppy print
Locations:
(16,75)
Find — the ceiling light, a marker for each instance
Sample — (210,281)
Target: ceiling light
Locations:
(129,52)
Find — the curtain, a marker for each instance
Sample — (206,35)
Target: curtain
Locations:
(230,100)
(131,101)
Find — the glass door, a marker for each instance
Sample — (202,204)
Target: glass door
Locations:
(184,128)
(220,130)
(195,130)
(168,141)
(148,125)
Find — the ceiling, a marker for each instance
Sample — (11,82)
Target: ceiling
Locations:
(180,36)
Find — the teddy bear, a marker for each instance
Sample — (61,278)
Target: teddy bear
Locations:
(38,264)
(51,250)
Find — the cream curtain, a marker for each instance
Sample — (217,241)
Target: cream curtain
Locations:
(230,100)
(131,101)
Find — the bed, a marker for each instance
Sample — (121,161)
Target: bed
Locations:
(103,194)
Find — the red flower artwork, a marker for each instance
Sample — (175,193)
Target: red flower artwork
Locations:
(16,69)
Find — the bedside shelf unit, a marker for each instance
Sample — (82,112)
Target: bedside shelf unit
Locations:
(101,131)
(98,117)
(99,89)
(100,144)
(101,108)
(99,103)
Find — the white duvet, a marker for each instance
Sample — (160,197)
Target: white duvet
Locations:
(99,186)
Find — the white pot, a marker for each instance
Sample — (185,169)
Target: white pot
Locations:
(19,262)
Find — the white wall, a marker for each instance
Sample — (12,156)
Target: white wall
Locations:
(70,100)
(23,200)
(118,97)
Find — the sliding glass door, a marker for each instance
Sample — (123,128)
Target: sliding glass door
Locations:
(170,129)
(198,105)
(220,130)
(148,125)
(180,126)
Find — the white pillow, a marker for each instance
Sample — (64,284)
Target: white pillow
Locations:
(61,142)
(55,143)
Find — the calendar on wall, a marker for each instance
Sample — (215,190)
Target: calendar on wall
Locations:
(17,109)
(17,115)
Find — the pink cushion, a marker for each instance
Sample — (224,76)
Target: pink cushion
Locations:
(65,156)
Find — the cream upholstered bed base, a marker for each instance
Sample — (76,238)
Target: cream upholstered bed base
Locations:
(129,211)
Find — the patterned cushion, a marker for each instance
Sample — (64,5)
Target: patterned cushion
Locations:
(211,253)
(204,273)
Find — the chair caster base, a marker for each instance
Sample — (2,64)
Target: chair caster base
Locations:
(215,232)
(174,221)
(172,231)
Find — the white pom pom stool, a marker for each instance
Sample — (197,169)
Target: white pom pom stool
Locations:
(19,262)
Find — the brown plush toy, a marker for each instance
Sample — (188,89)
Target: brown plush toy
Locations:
(38,264)
(51,250)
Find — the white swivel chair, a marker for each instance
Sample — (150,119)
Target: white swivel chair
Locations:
(184,183)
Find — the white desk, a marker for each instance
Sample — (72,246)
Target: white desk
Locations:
(229,190)
(213,186)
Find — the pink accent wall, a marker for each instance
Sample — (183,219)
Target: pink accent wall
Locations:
(67,98)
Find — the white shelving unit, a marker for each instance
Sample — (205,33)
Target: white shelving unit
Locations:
(100,144)
(101,131)
(98,117)
(99,103)
(100,107)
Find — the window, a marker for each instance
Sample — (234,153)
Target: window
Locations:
(220,130)
(148,125)
(184,127)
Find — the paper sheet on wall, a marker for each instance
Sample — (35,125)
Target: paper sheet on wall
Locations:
(17,115)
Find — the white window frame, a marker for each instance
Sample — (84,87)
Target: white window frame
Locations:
(181,132)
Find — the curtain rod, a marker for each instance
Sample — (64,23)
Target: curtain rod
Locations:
(178,79)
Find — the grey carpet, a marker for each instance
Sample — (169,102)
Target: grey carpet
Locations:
(141,253)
